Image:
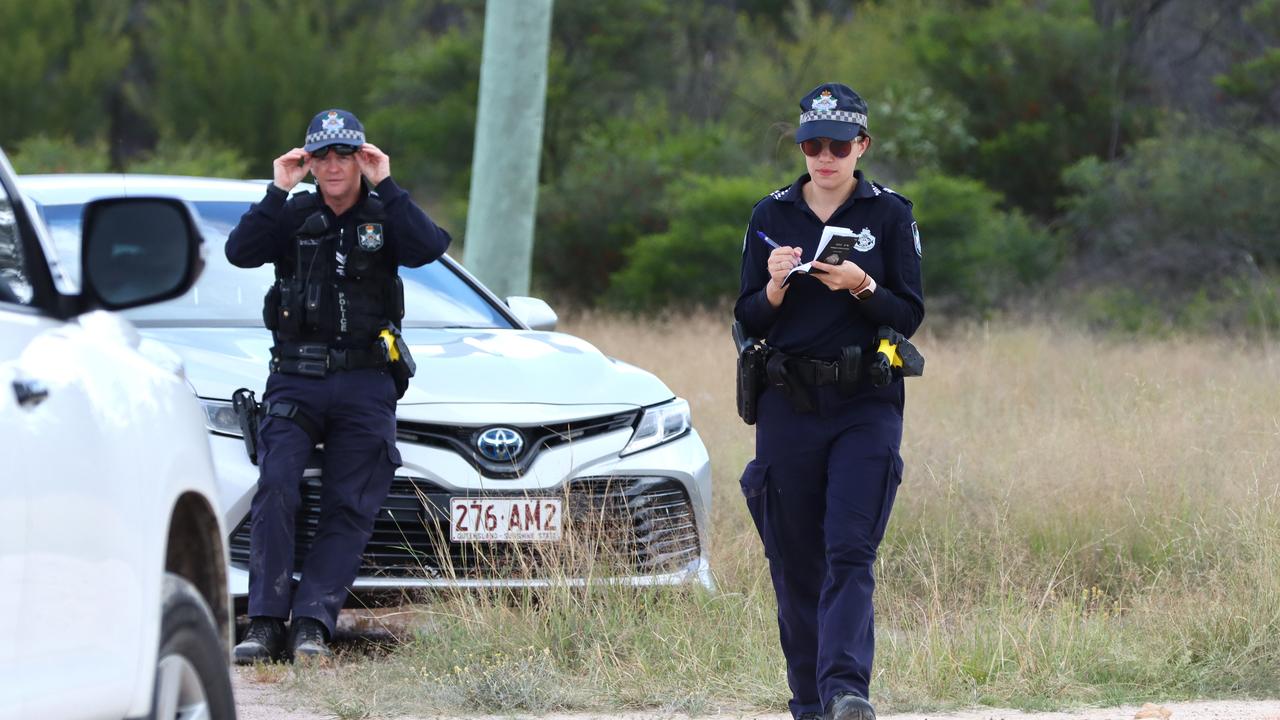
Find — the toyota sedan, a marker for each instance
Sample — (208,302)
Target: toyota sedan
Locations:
(530,458)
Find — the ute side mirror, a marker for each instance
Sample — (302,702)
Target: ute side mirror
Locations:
(136,251)
(531,311)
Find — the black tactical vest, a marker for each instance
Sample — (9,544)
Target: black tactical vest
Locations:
(333,292)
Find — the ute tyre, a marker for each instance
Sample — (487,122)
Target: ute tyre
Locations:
(192,675)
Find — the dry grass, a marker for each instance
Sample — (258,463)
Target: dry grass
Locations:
(1082,520)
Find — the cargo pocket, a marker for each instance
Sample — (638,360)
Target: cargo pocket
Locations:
(377,481)
(893,478)
(393,454)
(755,479)
(755,486)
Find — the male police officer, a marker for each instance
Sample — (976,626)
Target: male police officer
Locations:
(336,301)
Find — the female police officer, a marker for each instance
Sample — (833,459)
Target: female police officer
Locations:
(827,465)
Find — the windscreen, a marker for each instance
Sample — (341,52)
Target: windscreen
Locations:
(435,295)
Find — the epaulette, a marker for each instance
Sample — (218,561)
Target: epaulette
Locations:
(304,200)
(373,208)
(776,194)
(879,189)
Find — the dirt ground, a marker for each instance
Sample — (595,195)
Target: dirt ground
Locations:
(261,701)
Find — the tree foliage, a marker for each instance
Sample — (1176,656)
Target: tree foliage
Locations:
(60,66)
(1041,89)
(1048,144)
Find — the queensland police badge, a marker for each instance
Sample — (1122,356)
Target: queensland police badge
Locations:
(864,241)
(370,235)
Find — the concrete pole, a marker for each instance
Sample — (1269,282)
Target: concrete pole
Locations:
(504,175)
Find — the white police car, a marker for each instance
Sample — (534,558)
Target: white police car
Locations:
(529,457)
(112,552)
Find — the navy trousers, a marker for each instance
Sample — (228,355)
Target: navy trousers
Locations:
(356,411)
(820,491)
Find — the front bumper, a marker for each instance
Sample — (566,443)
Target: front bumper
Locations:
(642,519)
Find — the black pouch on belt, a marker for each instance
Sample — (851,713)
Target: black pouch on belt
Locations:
(249,414)
(789,383)
(750,376)
(850,369)
(750,379)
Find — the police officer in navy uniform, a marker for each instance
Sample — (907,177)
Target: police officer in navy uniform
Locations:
(336,254)
(827,466)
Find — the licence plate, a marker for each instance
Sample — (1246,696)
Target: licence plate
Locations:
(505,519)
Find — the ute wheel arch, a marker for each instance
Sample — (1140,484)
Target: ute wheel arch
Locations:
(194,552)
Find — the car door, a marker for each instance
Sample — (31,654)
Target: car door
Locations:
(16,325)
(72,619)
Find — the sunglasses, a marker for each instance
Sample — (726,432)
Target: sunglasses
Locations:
(839,148)
(339,150)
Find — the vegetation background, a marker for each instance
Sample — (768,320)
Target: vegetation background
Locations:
(1113,161)
(1087,517)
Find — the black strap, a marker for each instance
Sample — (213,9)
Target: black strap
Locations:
(785,379)
(290,411)
(815,372)
(319,360)
(355,359)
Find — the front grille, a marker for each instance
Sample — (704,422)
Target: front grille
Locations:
(613,526)
(461,439)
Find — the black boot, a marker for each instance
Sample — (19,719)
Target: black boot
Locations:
(847,706)
(263,642)
(310,640)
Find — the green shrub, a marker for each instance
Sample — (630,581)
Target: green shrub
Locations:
(974,252)
(1250,306)
(615,190)
(1187,196)
(199,158)
(697,260)
(44,154)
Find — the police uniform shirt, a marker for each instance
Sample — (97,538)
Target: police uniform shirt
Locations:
(812,320)
(265,233)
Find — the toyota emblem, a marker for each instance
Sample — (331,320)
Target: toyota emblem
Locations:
(500,444)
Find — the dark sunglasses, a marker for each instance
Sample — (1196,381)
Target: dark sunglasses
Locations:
(345,150)
(839,148)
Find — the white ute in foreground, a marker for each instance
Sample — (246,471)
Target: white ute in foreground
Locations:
(114,601)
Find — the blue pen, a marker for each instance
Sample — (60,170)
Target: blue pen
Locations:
(767,239)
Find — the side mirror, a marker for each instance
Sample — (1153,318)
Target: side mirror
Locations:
(533,312)
(136,251)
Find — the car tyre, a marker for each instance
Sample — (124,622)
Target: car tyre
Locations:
(192,675)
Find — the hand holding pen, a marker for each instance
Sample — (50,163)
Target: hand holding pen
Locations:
(781,260)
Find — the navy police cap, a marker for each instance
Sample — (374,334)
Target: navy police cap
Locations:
(831,110)
(333,127)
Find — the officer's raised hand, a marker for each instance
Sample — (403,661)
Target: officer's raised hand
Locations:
(290,168)
(374,164)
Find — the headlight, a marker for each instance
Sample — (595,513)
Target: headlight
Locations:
(219,417)
(659,424)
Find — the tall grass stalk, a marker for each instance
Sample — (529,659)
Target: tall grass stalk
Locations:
(1083,520)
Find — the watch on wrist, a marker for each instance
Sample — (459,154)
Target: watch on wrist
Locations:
(866,291)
